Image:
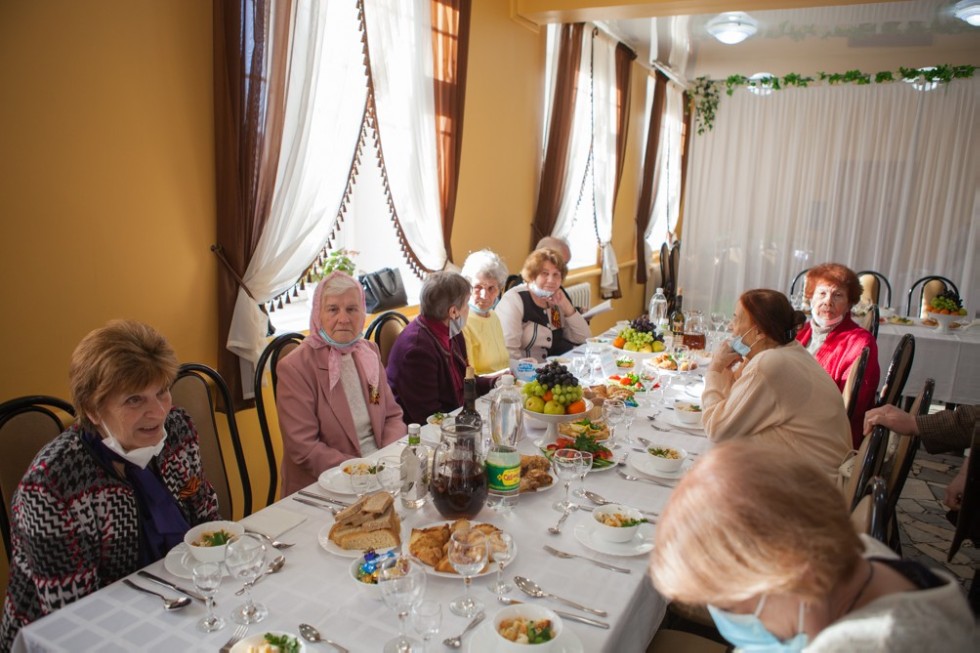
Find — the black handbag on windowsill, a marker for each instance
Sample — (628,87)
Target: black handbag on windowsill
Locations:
(383,290)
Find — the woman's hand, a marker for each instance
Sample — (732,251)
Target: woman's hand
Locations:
(954,491)
(560,301)
(724,358)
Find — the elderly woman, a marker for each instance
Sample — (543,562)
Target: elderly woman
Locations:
(332,397)
(114,492)
(427,363)
(779,395)
(765,542)
(834,339)
(537,317)
(485,346)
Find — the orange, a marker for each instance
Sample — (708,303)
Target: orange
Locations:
(576,407)
(619,342)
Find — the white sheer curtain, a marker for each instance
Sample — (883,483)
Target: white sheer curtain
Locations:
(325,95)
(604,159)
(400,43)
(667,171)
(880,177)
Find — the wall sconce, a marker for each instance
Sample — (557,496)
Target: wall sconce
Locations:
(732,27)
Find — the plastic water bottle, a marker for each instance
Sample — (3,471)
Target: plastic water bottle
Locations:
(503,460)
(658,310)
(415,470)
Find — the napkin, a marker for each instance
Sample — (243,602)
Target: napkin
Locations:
(273,521)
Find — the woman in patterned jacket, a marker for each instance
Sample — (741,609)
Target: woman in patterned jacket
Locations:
(114,492)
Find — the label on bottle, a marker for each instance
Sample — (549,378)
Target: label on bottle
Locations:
(503,478)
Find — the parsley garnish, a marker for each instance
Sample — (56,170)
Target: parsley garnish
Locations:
(285,643)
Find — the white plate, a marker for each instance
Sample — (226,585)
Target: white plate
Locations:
(640,544)
(541,446)
(337,481)
(259,639)
(483,640)
(323,538)
(642,463)
(491,568)
(671,419)
(174,563)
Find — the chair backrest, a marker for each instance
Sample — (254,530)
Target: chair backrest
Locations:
(871,283)
(852,386)
(870,320)
(870,515)
(898,371)
(932,285)
(512,280)
(967,525)
(897,466)
(798,280)
(195,390)
(870,457)
(273,353)
(26,425)
(384,330)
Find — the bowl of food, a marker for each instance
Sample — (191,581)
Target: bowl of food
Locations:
(364,570)
(525,627)
(207,541)
(615,523)
(436,419)
(687,412)
(625,362)
(666,459)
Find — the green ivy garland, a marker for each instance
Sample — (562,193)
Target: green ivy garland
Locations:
(706,96)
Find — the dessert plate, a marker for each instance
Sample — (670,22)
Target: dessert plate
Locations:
(174,563)
(641,543)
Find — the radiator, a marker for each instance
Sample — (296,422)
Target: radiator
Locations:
(581,295)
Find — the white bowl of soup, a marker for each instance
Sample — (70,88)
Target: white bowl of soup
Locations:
(207,541)
(615,523)
(688,413)
(664,458)
(525,627)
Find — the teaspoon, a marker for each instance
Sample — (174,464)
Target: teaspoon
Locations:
(273,567)
(531,588)
(602,501)
(311,634)
(168,604)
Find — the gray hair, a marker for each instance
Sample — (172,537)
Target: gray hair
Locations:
(484,263)
(440,292)
(338,284)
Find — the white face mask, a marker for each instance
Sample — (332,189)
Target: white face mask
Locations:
(538,291)
(820,323)
(140,457)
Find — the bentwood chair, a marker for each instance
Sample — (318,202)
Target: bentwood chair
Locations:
(871,284)
(852,386)
(273,353)
(196,390)
(868,462)
(668,640)
(512,281)
(870,320)
(870,515)
(26,425)
(384,330)
(968,520)
(931,286)
(898,371)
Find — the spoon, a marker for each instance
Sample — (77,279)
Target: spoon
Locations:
(531,588)
(311,634)
(273,567)
(275,544)
(630,477)
(602,501)
(556,529)
(457,641)
(168,604)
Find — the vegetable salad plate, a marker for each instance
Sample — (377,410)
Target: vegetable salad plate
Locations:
(255,642)
(641,543)
(483,641)
(337,480)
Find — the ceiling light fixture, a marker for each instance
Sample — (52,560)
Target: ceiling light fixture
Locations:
(732,27)
(969,11)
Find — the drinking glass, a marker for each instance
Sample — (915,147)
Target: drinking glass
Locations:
(245,558)
(390,474)
(361,480)
(613,411)
(585,464)
(579,366)
(468,556)
(402,585)
(207,578)
(594,369)
(502,549)
(719,320)
(566,465)
(629,414)
(427,620)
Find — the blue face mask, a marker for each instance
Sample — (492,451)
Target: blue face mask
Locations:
(339,345)
(747,632)
(456,326)
(739,346)
(479,311)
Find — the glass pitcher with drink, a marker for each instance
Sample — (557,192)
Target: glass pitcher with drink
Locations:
(458,483)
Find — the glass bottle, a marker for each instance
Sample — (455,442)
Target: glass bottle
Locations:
(469,415)
(677,319)
(658,310)
(415,470)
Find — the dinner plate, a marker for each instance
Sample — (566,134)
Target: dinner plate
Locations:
(641,543)
(642,463)
(336,480)
(258,640)
(491,567)
(174,563)
(670,417)
(484,641)
(542,447)
(323,538)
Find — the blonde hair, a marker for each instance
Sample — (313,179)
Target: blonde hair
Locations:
(748,521)
(121,357)
(535,261)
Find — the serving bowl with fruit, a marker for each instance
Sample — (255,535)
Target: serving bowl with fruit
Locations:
(639,337)
(554,396)
(945,309)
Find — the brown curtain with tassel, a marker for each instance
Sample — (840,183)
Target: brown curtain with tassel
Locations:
(651,175)
(251,39)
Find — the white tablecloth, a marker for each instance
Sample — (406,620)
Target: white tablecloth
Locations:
(314,586)
(953,360)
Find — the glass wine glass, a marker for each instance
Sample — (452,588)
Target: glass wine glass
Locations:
(207,578)
(427,620)
(361,480)
(389,472)
(613,411)
(402,584)
(585,464)
(502,550)
(468,556)
(566,465)
(245,558)
(629,414)
(719,320)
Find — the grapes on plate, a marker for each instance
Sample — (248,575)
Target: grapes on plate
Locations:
(554,385)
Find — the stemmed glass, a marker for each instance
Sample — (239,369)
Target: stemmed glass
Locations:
(613,411)
(585,464)
(207,578)
(566,465)
(361,480)
(502,547)
(402,585)
(427,620)
(629,413)
(468,556)
(718,321)
(389,472)
(245,559)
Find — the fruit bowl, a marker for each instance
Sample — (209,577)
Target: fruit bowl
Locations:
(551,422)
(945,320)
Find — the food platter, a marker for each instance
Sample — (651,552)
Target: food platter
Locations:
(551,422)
(491,566)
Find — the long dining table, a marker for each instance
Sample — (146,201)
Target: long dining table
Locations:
(315,585)
(951,359)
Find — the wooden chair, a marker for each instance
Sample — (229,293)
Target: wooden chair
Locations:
(932,285)
(871,283)
(384,330)
(271,356)
(898,371)
(968,520)
(870,457)
(195,390)
(870,320)
(26,425)
(870,515)
(852,386)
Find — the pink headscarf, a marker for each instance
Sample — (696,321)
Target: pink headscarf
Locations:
(367,359)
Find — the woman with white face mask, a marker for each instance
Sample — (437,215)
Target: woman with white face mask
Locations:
(765,542)
(779,396)
(836,340)
(485,345)
(114,492)
(332,396)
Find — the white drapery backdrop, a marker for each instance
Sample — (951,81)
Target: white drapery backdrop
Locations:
(325,95)
(880,177)
(604,159)
(667,171)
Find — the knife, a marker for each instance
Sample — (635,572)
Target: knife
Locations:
(166,583)
(568,615)
(315,504)
(314,495)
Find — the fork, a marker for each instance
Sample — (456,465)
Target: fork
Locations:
(235,638)
(568,556)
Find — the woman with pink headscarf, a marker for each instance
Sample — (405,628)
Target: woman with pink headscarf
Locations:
(333,397)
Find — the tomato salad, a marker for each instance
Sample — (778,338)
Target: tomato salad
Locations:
(601,456)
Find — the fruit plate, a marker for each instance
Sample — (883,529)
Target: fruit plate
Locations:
(551,422)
